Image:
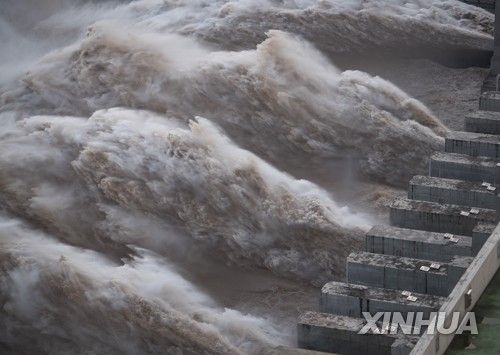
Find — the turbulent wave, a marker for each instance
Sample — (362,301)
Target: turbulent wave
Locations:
(281,100)
(126,177)
(150,149)
(333,26)
(195,180)
(351,26)
(141,306)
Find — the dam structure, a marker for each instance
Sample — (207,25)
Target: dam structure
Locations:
(437,256)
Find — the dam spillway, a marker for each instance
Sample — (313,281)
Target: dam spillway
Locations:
(449,219)
(439,253)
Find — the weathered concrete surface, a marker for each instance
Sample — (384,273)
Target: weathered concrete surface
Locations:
(483,122)
(473,144)
(352,300)
(465,167)
(480,234)
(435,217)
(490,100)
(455,192)
(418,244)
(456,268)
(400,273)
(339,334)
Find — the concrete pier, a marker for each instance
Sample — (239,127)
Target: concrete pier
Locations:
(435,217)
(352,300)
(490,101)
(400,273)
(339,334)
(483,122)
(455,192)
(473,144)
(464,167)
(417,244)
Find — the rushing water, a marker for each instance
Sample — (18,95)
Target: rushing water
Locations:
(173,174)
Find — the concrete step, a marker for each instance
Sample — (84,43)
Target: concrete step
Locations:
(436,217)
(490,101)
(483,122)
(400,273)
(473,144)
(339,334)
(455,192)
(417,244)
(464,167)
(352,300)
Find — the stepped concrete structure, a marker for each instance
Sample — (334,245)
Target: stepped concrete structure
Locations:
(483,122)
(473,144)
(437,217)
(352,300)
(439,253)
(400,273)
(416,244)
(453,192)
(464,167)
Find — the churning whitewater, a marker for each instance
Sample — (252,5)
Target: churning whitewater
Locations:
(178,177)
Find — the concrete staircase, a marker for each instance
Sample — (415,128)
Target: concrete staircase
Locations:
(415,263)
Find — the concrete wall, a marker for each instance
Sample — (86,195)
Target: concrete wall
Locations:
(435,217)
(455,192)
(490,101)
(463,167)
(416,244)
(352,300)
(399,273)
(473,144)
(483,122)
